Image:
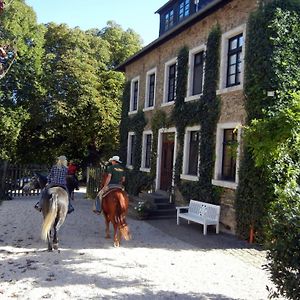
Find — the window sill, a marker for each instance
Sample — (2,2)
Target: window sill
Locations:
(167,103)
(192,98)
(145,170)
(132,112)
(226,184)
(189,177)
(230,89)
(148,108)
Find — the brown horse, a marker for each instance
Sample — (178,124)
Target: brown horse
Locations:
(115,206)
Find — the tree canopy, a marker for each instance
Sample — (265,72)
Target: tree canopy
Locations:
(61,94)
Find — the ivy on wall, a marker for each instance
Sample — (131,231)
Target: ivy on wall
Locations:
(135,179)
(209,115)
(158,120)
(205,112)
(124,124)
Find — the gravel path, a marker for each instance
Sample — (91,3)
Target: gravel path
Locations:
(162,261)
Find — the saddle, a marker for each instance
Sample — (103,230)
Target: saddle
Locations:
(112,190)
(48,186)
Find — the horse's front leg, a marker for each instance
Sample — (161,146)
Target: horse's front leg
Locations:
(116,236)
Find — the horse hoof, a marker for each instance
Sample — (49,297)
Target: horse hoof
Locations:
(55,246)
(49,249)
(116,244)
(107,236)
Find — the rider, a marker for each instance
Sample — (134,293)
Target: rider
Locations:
(56,177)
(115,179)
(72,169)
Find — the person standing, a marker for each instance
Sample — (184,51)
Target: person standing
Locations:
(72,169)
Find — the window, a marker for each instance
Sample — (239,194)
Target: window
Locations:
(227,155)
(191,153)
(150,88)
(134,95)
(184,9)
(146,151)
(170,82)
(196,73)
(131,149)
(201,4)
(232,60)
(235,46)
(169,19)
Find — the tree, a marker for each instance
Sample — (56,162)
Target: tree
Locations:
(20,89)
(122,43)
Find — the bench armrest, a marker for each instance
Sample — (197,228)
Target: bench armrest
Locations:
(179,208)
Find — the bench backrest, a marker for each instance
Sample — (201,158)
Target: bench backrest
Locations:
(207,210)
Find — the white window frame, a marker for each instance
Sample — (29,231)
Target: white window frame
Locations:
(145,133)
(148,74)
(129,150)
(224,60)
(166,81)
(159,154)
(133,80)
(219,153)
(186,148)
(192,53)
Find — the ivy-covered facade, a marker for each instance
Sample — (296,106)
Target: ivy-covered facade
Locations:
(185,106)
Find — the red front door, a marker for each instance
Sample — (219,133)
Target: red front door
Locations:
(167,156)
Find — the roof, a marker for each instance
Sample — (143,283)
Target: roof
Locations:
(164,6)
(192,19)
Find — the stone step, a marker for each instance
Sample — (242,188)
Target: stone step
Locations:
(158,210)
(155,197)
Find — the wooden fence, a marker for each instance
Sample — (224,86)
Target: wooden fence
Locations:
(14,177)
(93,181)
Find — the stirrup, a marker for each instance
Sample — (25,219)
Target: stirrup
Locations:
(37,208)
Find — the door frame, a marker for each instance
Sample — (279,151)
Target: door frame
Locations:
(159,154)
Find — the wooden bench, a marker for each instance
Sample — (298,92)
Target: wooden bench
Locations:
(200,212)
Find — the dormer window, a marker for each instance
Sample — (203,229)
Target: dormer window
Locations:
(184,9)
(169,19)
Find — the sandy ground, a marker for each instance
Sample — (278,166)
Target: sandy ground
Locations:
(154,265)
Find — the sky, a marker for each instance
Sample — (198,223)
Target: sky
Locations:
(138,15)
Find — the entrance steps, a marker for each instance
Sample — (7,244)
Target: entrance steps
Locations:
(157,203)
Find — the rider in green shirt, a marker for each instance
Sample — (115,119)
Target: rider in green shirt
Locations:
(115,179)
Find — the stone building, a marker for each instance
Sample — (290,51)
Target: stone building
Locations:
(152,76)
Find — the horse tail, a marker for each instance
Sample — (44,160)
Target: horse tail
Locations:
(120,217)
(50,217)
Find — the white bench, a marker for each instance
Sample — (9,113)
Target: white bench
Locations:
(200,212)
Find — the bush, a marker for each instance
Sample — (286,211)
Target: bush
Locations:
(284,246)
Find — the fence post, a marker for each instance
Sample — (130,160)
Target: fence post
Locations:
(3,170)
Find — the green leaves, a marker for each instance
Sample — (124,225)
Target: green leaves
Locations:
(270,172)
(11,122)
